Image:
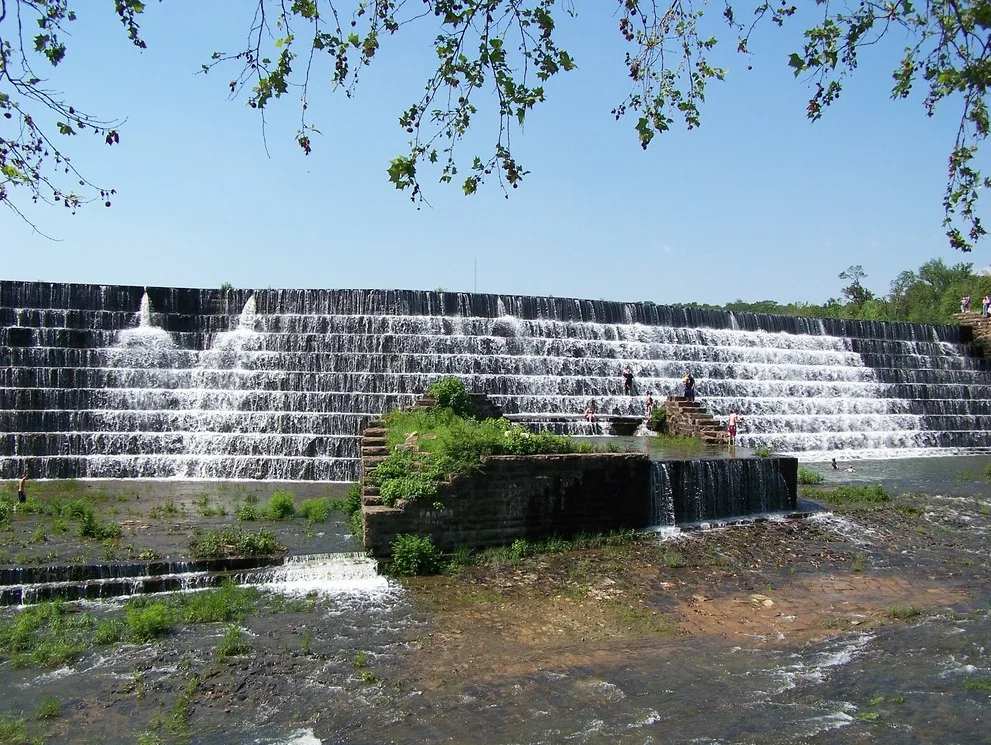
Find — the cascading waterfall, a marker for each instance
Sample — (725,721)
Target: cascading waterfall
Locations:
(106,381)
(689,491)
(661,494)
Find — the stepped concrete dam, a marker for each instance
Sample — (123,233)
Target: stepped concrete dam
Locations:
(134,382)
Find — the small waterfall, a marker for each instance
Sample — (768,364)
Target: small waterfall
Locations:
(323,574)
(661,494)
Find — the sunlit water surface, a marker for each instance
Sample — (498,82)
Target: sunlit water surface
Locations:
(899,683)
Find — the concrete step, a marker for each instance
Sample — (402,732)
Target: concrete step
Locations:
(372,451)
(370,491)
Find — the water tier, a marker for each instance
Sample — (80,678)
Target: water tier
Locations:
(120,382)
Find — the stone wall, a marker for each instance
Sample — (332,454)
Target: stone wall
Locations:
(687,418)
(530,497)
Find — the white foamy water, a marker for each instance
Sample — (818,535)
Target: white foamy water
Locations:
(852,531)
(298,737)
(816,669)
(324,574)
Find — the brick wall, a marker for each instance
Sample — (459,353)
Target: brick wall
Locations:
(529,497)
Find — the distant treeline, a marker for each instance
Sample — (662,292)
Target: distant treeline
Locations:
(931,294)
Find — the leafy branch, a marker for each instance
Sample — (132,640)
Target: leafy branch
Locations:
(35,117)
(506,52)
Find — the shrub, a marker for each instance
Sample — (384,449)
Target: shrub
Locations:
(233,541)
(412,555)
(247,512)
(230,602)
(151,620)
(281,505)
(808,476)
(110,631)
(351,506)
(450,394)
(414,487)
(90,527)
(233,644)
(855,493)
(316,510)
(5,510)
(658,420)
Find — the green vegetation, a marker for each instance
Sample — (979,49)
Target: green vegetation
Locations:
(234,644)
(978,684)
(512,51)
(419,556)
(903,614)
(169,508)
(854,493)
(51,634)
(149,620)
(13,730)
(808,476)
(658,420)
(46,635)
(316,510)
(351,506)
(230,602)
(233,541)
(448,443)
(763,452)
(204,506)
(450,394)
(48,708)
(931,294)
(412,555)
(281,506)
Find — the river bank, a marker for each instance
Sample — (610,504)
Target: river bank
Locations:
(865,622)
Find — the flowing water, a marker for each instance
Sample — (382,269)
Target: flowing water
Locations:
(918,682)
(123,382)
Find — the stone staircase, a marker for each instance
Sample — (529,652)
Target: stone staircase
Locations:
(690,419)
(981,327)
(374,449)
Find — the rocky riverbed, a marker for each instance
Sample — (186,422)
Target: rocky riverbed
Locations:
(862,622)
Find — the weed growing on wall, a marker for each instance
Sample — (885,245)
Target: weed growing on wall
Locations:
(447,443)
(450,394)
(658,420)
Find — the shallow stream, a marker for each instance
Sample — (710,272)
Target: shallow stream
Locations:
(341,672)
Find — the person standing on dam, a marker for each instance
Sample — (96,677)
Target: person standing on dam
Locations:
(628,381)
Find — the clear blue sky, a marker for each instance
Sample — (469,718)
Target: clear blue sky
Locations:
(757,204)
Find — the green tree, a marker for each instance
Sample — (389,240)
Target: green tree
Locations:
(932,294)
(855,292)
(509,50)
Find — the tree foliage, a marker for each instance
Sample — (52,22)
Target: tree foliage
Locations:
(930,294)
(509,51)
(36,118)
